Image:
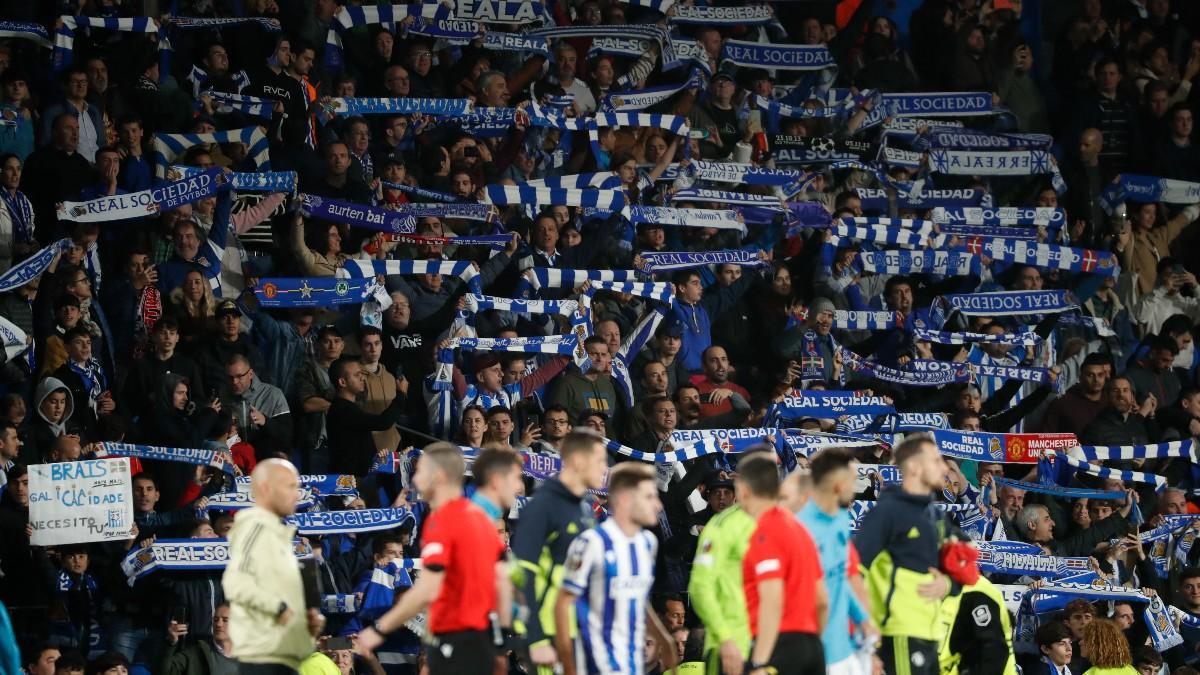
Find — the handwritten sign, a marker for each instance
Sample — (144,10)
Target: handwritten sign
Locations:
(80,502)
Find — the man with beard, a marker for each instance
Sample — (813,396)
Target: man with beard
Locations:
(1074,411)
(716,391)
(1123,422)
(688,408)
(827,518)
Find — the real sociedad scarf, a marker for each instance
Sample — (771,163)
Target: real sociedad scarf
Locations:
(719,219)
(1105,472)
(818,148)
(168,147)
(258,181)
(463,269)
(988,231)
(701,448)
(882,234)
(400,106)
(146,202)
(498,11)
(339,603)
(969,139)
(1001,163)
(900,422)
(1054,594)
(515,42)
(694,194)
(1022,559)
(879,371)
(654,262)
(876,199)
(828,405)
(478,212)
(198,23)
(20,212)
(322,485)
(547,344)
(187,554)
(358,215)
(965,338)
(287,292)
(548,277)
(749,15)
(1004,448)
(661,291)
(237,501)
(777,56)
(495,241)
(1048,256)
(744,174)
(249,105)
(1008,303)
(26,31)
(1137,188)
(30,268)
(318,523)
(972,372)
(861,507)
(640,99)
(195,456)
(864,320)
(453,31)
(1042,216)
(947,263)
(64,39)
(424,193)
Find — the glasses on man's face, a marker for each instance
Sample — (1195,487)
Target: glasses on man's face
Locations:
(238,376)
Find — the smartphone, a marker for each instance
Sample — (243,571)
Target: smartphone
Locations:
(470,151)
(339,642)
(179,615)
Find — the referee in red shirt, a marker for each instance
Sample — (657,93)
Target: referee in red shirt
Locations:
(781,576)
(464,576)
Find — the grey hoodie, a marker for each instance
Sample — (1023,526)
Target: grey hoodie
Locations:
(46,387)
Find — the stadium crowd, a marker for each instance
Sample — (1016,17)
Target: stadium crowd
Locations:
(646,335)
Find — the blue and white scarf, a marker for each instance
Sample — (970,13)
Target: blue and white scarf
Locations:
(640,99)
(351,16)
(237,501)
(864,320)
(900,422)
(749,15)
(453,31)
(828,405)
(876,199)
(968,139)
(504,195)
(1042,216)
(1104,472)
(64,39)
(187,554)
(424,193)
(1054,595)
(1002,163)
(358,215)
(482,303)
(720,219)
(321,485)
(963,338)
(742,174)
(548,277)
(1005,448)
(515,42)
(547,344)
(400,106)
(911,378)
(478,212)
(1047,256)
(984,231)
(32,267)
(26,31)
(365,269)
(1055,490)
(1010,303)
(499,11)
(1126,452)
(974,372)
(318,523)
(693,194)
(195,456)
(1146,189)
(146,202)
(654,262)
(249,105)
(168,147)
(661,291)
(777,56)
(1022,559)
(200,23)
(948,263)
(939,104)
(288,292)
(258,181)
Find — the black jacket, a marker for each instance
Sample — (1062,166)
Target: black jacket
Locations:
(349,427)
(547,526)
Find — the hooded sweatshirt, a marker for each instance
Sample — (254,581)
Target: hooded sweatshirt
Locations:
(46,432)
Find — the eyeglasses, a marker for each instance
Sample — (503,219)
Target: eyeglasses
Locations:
(238,376)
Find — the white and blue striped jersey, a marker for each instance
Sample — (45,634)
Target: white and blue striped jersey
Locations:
(610,575)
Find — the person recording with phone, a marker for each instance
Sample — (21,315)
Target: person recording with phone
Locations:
(1174,293)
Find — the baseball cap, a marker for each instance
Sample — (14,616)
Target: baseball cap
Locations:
(717,479)
(719,75)
(228,308)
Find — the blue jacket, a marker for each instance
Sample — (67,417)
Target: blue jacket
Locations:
(697,319)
